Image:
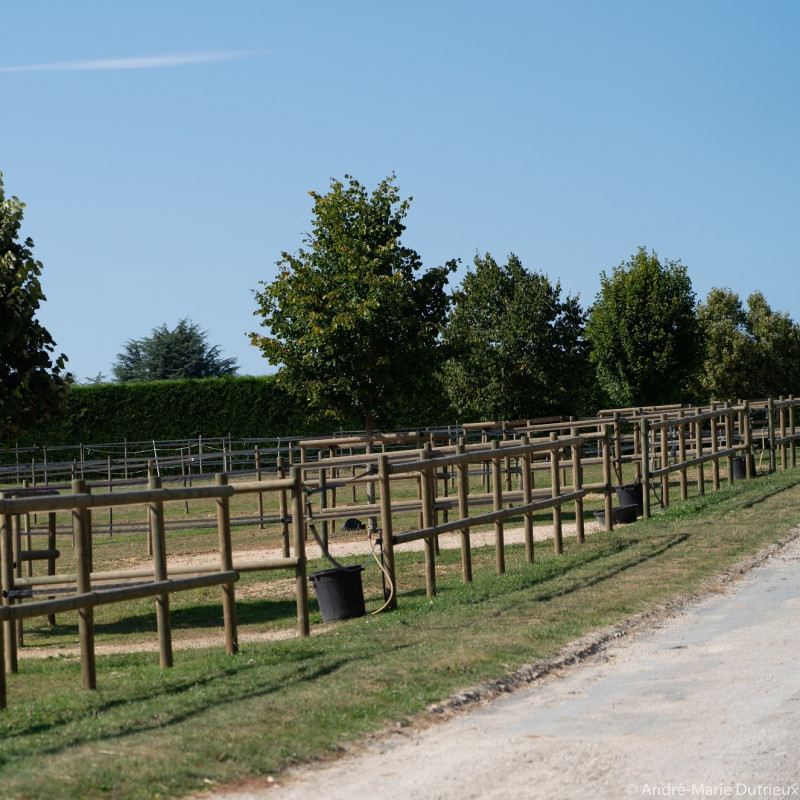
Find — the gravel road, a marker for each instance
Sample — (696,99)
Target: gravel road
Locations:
(705,702)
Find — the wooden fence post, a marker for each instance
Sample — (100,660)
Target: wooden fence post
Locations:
(701,475)
(462,473)
(283,509)
(555,491)
(226,564)
(16,527)
(497,496)
(7,583)
(51,562)
(771,428)
(714,449)
(527,497)
(299,536)
(427,491)
(160,574)
(682,456)
(644,427)
(577,485)
(664,463)
(729,443)
(748,440)
(81,521)
(608,489)
(384,482)
(259,495)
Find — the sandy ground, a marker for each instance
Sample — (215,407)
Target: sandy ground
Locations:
(182,640)
(699,699)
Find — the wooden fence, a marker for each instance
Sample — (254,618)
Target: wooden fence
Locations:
(646,445)
(87,587)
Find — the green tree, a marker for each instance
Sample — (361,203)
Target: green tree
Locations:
(33,384)
(516,347)
(352,325)
(644,331)
(749,352)
(777,340)
(730,354)
(167,354)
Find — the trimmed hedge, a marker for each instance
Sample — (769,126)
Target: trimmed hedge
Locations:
(210,407)
(245,407)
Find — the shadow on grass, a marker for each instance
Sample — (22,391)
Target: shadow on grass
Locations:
(182,700)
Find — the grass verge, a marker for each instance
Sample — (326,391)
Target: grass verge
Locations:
(212,719)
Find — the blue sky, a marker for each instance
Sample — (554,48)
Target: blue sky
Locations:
(165,150)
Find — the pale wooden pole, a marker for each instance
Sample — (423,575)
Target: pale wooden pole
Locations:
(618,447)
(527,497)
(17,539)
(387,536)
(714,449)
(664,463)
(259,495)
(462,474)
(748,441)
(701,477)
(497,500)
(644,438)
(7,583)
(299,536)
(160,574)
(771,429)
(427,492)
(682,456)
(3,705)
(83,563)
(283,509)
(577,485)
(608,489)
(555,491)
(729,444)
(226,565)
(782,433)
(51,562)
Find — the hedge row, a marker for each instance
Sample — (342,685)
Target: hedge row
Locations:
(245,407)
(211,407)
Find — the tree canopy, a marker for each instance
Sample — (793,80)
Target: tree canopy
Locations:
(748,352)
(351,324)
(644,331)
(167,354)
(33,383)
(516,348)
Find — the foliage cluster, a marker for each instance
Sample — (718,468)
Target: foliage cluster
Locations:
(352,324)
(32,381)
(175,354)
(644,331)
(516,349)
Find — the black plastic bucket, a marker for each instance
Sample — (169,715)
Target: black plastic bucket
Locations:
(621,515)
(740,467)
(339,592)
(631,494)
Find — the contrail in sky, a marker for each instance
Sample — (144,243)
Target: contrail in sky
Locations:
(137,62)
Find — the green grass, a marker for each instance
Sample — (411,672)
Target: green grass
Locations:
(213,718)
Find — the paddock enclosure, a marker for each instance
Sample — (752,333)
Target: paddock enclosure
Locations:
(400,488)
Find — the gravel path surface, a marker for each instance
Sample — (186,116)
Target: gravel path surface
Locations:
(702,700)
